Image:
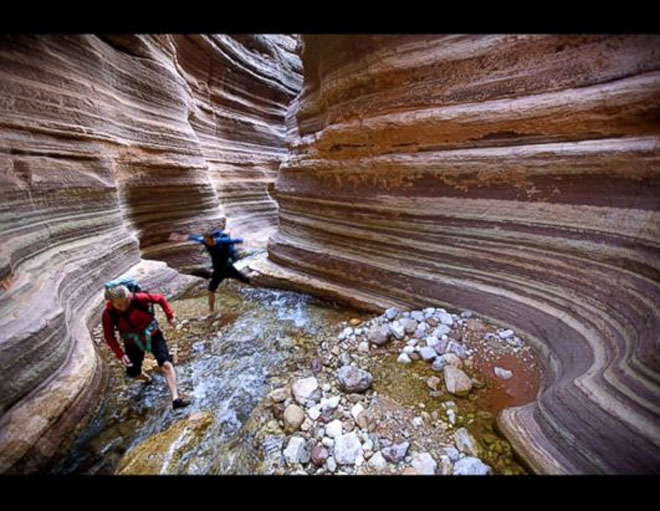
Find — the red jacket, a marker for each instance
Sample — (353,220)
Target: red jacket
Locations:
(133,320)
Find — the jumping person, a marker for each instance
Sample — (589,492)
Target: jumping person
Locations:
(132,314)
(223,255)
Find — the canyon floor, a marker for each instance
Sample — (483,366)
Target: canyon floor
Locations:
(284,383)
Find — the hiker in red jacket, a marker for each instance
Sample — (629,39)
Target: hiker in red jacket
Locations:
(132,314)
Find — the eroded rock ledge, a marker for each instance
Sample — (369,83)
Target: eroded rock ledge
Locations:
(516,176)
(109,143)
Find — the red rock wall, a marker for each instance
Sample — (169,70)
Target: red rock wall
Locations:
(516,176)
(108,144)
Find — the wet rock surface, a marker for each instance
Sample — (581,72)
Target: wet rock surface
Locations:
(250,372)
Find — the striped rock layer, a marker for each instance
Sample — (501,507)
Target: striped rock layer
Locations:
(513,175)
(108,144)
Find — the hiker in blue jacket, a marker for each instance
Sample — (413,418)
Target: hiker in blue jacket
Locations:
(223,255)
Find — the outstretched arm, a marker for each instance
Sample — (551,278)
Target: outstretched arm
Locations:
(175,236)
(229,241)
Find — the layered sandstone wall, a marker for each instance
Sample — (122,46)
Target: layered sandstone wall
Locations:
(108,144)
(513,175)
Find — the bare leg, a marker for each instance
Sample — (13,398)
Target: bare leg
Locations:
(170,378)
(211,300)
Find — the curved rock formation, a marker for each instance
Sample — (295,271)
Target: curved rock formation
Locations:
(516,176)
(109,143)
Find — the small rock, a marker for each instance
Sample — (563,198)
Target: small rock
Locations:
(327,442)
(417,422)
(391,313)
(441,330)
(378,334)
(432,321)
(345,359)
(363,347)
(319,455)
(279,395)
(404,359)
(347,449)
(417,315)
(424,463)
(428,354)
(314,412)
(352,379)
(433,382)
(329,404)
(414,356)
(378,462)
(514,341)
(307,424)
(502,373)
(440,346)
(331,465)
(334,428)
(293,418)
(505,334)
(356,410)
(471,467)
(466,314)
(446,467)
(278,411)
(465,442)
(355,321)
(456,348)
(456,381)
(345,333)
(445,318)
(294,451)
(326,387)
(397,330)
(396,453)
(409,325)
(306,390)
(451,415)
(452,453)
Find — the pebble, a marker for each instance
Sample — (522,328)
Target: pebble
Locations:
(505,334)
(334,428)
(404,359)
(424,463)
(502,373)
(471,466)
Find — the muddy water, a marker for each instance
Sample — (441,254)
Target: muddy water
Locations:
(227,364)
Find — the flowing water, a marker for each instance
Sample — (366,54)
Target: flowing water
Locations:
(226,364)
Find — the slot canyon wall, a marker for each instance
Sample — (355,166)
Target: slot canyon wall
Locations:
(108,144)
(512,175)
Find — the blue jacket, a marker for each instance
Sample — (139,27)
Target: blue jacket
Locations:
(223,250)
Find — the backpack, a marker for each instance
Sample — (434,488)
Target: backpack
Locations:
(134,287)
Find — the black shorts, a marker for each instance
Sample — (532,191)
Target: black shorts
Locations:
(226,272)
(136,355)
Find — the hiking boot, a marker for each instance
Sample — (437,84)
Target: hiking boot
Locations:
(179,403)
(144,377)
